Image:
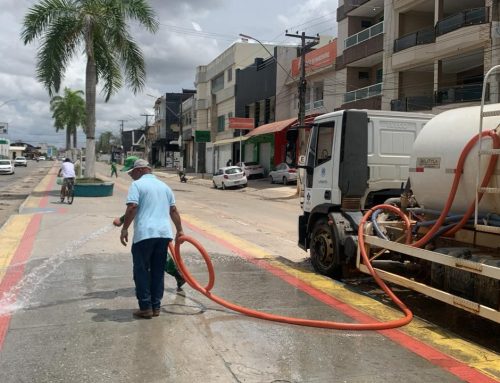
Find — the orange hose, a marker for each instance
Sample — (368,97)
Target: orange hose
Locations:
(176,255)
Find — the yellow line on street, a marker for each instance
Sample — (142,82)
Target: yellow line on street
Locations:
(10,238)
(471,354)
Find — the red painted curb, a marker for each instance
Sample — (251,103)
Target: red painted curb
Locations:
(434,356)
(23,252)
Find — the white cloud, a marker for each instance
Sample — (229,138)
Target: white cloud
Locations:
(192,33)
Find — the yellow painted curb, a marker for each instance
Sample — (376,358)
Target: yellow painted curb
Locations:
(10,238)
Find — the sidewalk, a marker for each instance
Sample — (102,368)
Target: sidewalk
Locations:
(261,187)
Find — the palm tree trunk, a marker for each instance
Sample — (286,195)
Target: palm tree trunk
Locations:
(74,136)
(68,138)
(90,91)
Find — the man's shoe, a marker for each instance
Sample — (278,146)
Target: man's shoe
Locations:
(143,314)
(156,312)
(180,282)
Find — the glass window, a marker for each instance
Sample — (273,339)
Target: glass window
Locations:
(218,83)
(221,123)
(230,75)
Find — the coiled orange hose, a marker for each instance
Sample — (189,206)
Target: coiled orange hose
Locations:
(176,255)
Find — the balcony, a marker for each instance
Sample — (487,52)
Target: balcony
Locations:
(459,93)
(425,36)
(363,93)
(364,35)
(462,19)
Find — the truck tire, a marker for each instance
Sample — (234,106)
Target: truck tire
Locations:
(325,248)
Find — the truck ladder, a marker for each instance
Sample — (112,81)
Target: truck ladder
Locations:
(481,153)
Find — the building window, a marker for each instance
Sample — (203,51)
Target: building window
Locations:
(379,75)
(221,120)
(230,75)
(218,83)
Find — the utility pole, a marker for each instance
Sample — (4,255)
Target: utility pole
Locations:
(146,142)
(302,87)
(121,142)
(304,48)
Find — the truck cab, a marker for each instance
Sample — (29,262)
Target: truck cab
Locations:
(355,159)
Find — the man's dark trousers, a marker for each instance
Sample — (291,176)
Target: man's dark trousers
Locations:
(149,269)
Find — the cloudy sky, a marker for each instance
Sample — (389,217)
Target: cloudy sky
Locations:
(191,33)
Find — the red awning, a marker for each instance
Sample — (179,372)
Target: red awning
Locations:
(273,127)
(308,121)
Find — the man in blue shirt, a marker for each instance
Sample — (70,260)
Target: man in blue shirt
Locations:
(150,204)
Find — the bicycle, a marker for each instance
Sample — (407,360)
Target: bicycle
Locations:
(69,190)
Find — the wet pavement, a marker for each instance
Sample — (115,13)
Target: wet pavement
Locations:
(65,315)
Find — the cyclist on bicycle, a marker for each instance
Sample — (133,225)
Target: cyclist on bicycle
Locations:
(67,171)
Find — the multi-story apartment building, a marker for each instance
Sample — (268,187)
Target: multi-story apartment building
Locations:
(216,101)
(415,54)
(360,47)
(188,127)
(166,151)
(437,53)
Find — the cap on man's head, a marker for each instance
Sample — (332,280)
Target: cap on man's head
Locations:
(129,163)
(140,164)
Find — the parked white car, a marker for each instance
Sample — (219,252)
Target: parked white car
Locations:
(20,161)
(6,167)
(228,177)
(283,173)
(251,169)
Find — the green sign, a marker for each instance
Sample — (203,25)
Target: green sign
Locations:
(2,141)
(202,136)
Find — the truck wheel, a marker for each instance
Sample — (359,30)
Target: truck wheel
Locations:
(325,250)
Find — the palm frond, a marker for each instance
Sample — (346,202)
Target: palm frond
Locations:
(41,16)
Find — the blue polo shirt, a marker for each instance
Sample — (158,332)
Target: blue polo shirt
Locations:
(153,199)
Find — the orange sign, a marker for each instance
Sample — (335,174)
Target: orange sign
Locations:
(241,123)
(316,59)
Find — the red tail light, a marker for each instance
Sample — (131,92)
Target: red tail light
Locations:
(226,176)
(292,170)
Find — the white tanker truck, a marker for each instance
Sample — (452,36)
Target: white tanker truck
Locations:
(437,171)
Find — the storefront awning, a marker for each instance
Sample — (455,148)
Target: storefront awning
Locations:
(230,140)
(273,127)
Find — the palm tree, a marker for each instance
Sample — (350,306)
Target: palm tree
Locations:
(100,28)
(68,113)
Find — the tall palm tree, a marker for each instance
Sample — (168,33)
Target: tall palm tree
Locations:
(100,28)
(68,113)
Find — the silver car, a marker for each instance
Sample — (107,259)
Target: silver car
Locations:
(228,177)
(20,161)
(283,173)
(6,167)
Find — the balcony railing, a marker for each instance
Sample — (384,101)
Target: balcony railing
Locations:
(366,92)
(462,19)
(459,93)
(425,36)
(314,105)
(364,35)
(413,103)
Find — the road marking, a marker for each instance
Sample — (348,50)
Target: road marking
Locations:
(461,358)
(20,229)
